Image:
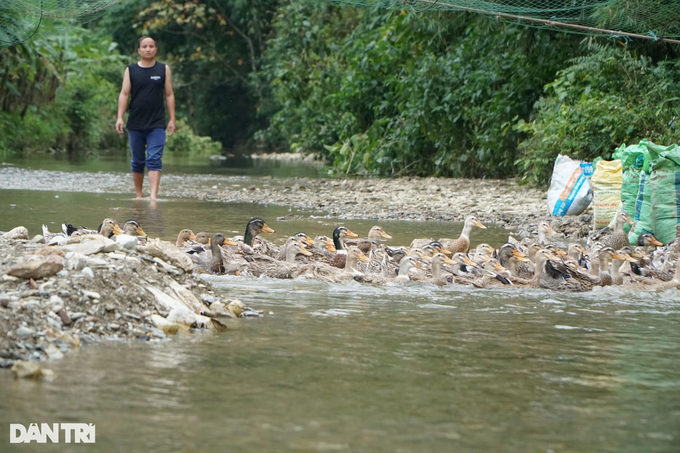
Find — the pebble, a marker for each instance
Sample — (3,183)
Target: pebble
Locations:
(97,263)
(88,272)
(91,294)
(65,319)
(114,326)
(24,331)
(77,316)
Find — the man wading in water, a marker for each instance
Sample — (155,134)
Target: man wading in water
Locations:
(148,81)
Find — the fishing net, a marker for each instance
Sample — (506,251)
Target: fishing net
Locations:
(650,19)
(21,19)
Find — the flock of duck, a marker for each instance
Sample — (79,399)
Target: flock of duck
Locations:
(607,259)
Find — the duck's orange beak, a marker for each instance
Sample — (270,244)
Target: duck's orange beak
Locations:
(266,229)
(350,234)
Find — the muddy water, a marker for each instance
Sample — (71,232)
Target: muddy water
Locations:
(351,367)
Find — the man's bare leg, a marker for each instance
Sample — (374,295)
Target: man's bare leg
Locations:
(154,182)
(138,179)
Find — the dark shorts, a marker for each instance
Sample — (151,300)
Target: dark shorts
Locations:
(147,149)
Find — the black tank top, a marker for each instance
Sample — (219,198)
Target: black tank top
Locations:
(147,92)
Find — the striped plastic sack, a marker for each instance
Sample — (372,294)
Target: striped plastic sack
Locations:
(571,190)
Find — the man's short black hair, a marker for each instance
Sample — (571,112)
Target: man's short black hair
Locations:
(139,41)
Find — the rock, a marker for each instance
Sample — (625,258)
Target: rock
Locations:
(65,319)
(16,233)
(71,339)
(126,241)
(96,263)
(158,333)
(130,315)
(38,239)
(54,353)
(88,272)
(57,303)
(91,294)
(24,331)
(168,252)
(28,370)
(34,269)
(169,328)
(92,244)
(182,315)
(236,307)
(7,363)
(77,316)
(75,261)
(9,278)
(208,299)
(114,326)
(221,310)
(109,307)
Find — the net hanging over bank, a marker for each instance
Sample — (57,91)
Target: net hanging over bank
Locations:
(21,19)
(657,20)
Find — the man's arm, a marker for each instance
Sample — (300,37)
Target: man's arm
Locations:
(170,100)
(123,100)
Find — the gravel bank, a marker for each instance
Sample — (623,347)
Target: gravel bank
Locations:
(53,299)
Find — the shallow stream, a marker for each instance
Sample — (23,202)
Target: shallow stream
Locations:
(402,368)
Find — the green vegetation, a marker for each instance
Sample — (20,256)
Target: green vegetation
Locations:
(376,92)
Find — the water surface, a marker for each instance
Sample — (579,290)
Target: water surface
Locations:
(407,368)
(402,368)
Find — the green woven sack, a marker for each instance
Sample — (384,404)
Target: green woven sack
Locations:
(643,200)
(665,194)
(633,160)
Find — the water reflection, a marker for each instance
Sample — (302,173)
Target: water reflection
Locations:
(167,217)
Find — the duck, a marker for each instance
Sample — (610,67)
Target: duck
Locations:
(619,238)
(605,257)
(340,257)
(294,249)
(132,227)
(511,258)
(554,275)
(202,238)
(132,235)
(255,226)
(629,254)
(298,237)
(371,241)
(544,229)
(184,235)
(405,266)
(462,244)
(438,260)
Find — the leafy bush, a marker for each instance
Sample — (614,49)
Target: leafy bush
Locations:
(602,100)
(383,92)
(185,141)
